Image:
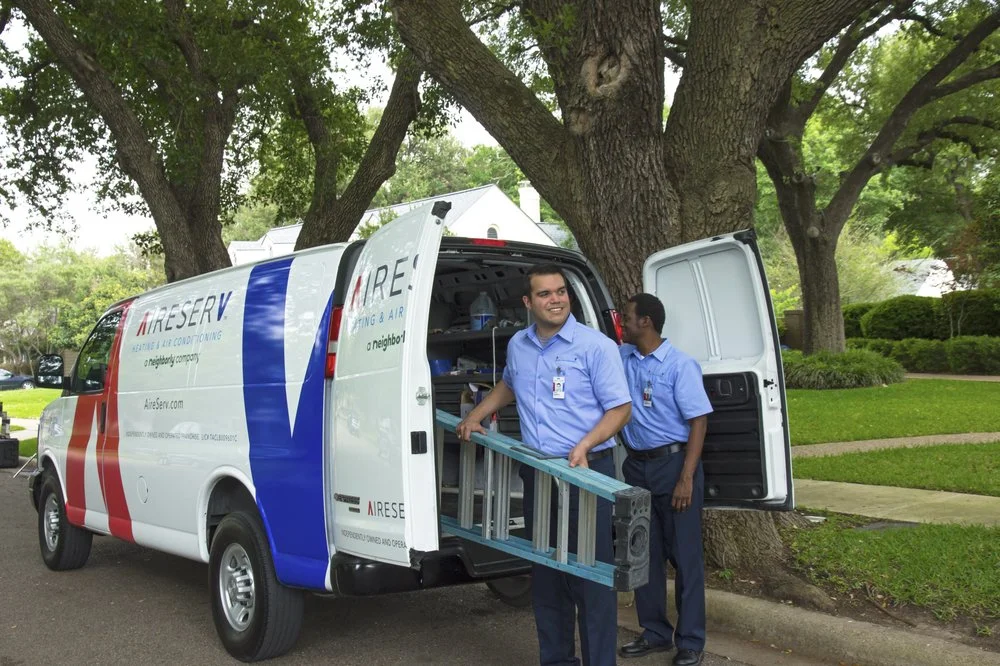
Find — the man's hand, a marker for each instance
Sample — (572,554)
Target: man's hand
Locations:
(465,429)
(578,456)
(682,493)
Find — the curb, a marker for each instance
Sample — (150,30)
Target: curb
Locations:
(822,636)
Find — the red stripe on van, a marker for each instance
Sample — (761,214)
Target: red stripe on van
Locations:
(119,519)
(76,457)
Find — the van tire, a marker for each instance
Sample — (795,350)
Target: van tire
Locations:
(514,591)
(64,546)
(240,555)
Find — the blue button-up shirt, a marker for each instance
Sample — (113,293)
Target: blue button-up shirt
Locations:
(594,383)
(677,395)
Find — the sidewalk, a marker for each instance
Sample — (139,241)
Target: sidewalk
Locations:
(903,504)
(836,448)
(30,429)
(964,378)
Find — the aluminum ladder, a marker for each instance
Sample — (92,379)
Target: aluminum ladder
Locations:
(631,510)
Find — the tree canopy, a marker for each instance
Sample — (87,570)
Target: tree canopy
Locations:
(180,101)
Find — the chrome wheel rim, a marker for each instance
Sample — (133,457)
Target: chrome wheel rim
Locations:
(236,587)
(51,523)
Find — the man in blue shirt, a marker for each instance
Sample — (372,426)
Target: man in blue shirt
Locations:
(571,400)
(664,441)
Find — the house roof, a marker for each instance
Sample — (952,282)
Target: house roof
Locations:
(924,277)
(561,236)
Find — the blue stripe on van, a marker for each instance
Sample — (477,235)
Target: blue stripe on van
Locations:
(286,462)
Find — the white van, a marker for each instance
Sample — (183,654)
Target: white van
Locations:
(273,419)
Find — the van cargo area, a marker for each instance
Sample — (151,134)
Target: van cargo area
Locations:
(466,363)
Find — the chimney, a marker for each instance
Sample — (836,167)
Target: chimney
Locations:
(529,201)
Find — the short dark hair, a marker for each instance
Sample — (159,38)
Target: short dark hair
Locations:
(647,305)
(542,269)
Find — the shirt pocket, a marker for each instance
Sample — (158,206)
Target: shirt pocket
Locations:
(574,370)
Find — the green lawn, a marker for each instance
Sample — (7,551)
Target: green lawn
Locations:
(915,407)
(960,468)
(28,447)
(948,569)
(22,404)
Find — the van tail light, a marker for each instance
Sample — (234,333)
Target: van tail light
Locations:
(616,323)
(331,345)
(488,242)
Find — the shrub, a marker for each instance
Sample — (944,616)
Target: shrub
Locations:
(975,312)
(852,369)
(879,345)
(901,317)
(974,355)
(852,318)
(917,355)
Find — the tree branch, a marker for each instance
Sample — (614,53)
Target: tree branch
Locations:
(674,49)
(185,42)
(922,92)
(437,33)
(5,12)
(925,22)
(941,131)
(966,81)
(855,34)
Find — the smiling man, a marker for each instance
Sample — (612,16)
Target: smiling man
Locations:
(572,399)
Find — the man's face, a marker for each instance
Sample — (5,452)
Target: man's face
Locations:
(549,301)
(630,324)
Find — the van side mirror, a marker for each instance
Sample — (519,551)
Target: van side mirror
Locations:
(50,372)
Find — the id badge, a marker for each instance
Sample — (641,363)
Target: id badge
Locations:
(559,387)
(647,395)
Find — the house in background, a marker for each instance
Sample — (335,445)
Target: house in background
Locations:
(482,212)
(924,277)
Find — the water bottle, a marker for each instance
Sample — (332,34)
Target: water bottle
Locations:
(482,313)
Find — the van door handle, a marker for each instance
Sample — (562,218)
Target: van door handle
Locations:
(423,395)
(104,415)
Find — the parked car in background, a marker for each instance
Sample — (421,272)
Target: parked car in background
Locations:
(10,381)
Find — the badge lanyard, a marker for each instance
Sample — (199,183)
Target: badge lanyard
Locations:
(559,385)
(647,394)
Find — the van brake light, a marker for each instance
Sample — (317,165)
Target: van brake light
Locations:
(331,346)
(616,320)
(489,242)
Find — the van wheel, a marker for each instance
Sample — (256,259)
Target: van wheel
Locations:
(27,385)
(64,546)
(256,616)
(514,591)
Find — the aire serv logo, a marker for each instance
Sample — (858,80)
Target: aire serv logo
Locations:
(191,312)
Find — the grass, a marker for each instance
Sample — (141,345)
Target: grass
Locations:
(915,407)
(960,468)
(950,570)
(21,404)
(28,447)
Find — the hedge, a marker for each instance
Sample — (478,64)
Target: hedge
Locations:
(967,355)
(902,317)
(975,312)
(854,368)
(852,318)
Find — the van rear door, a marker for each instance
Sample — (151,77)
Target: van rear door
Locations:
(719,311)
(385,501)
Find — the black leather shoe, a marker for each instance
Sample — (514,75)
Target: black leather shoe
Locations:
(640,647)
(687,658)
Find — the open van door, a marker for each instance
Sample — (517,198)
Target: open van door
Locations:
(385,503)
(719,311)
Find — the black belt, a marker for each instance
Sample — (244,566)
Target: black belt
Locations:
(654,453)
(598,455)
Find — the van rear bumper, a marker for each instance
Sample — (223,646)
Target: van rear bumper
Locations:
(457,562)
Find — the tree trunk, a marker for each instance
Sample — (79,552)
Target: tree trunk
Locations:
(824,320)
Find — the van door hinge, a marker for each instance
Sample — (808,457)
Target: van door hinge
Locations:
(423,395)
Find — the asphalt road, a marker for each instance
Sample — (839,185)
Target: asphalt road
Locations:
(130,605)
